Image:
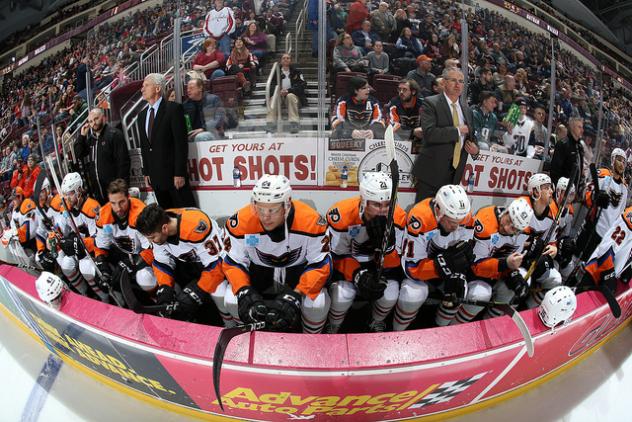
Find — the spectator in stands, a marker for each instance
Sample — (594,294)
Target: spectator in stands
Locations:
(47,141)
(485,82)
(433,47)
(205,113)
(364,37)
(499,75)
(378,60)
(255,41)
(450,48)
(30,177)
(291,93)
(423,76)
(25,151)
(243,64)
(357,115)
(358,13)
(537,139)
(210,60)
(484,120)
(383,22)
(348,57)
(507,94)
(404,111)
(402,21)
(80,83)
(20,174)
(103,150)
(427,27)
(275,22)
(569,153)
(220,24)
(408,44)
(446,124)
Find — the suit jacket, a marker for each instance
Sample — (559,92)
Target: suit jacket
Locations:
(165,155)
(433,165)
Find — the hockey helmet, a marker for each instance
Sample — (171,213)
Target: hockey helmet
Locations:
(562,184)
(46,184)
(50,288)
(535,183)
(375,186)
(520,213)
(72,182)
(558,306)
(452,202)
(617,152)
(272,189)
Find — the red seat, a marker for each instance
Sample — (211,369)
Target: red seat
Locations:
(385,87)
(227,89)
(121,95)
(342,82)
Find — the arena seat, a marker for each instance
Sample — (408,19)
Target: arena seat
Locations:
(120,95)
(385,87)
(227,89)
(342,81)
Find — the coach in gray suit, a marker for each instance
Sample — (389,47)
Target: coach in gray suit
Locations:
(446,124)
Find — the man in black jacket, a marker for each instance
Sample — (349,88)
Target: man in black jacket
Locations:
(291,92)
(103,151)
(163,142)
(569,153)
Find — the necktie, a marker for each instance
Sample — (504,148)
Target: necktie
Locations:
(151,124)
(456,156)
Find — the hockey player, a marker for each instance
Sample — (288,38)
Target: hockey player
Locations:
(117,239)
(74,260)
(47,215)
(613,196)
(437,251)
(565,240)
(281,245)
(517,137)
(188,250)
(498,235)
(23,219)
(544,208)
(357,228)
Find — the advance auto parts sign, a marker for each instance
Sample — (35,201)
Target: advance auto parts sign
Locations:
(132,367)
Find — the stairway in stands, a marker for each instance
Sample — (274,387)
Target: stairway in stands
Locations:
(253,123)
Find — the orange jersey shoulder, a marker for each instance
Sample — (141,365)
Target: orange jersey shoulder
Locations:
(486,223)
(399,217)
(106,216)
(27,206)
(136,206)
(627,217)
(604,172)
(56,203)
(90,208)
(307,220)
(421,218)
(243,222)
(194,225)
(344,214)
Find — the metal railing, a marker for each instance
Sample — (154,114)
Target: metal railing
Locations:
(300,29)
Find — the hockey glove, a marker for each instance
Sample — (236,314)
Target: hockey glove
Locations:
(375,228)
(603,199)
(459,257)
(517,283)
(544,264)
(250,305)
(72,245)
(566,247)
(368,285)
(455,288)
(46,260)
(285,312)
(533,251)
(190,299)
(165,295)
(105,280)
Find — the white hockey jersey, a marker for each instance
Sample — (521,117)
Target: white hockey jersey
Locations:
(518,140)
(24,221)
(122,235)
(539,225)
(48,220)
(219,22)
(425,240)
(618,192)
(615,248)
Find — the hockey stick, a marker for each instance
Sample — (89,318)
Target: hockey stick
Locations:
(75,229)
(224,338)
(132,301)
(507,309)
(389,143)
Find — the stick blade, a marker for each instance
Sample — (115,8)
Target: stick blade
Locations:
(389,143)
(522,327)
(612,301)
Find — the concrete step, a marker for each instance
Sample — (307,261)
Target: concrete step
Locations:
(261,101)
(257,111)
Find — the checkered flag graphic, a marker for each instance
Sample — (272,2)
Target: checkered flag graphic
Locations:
(447,391)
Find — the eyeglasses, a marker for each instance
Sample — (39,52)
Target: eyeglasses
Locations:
(461,81)
(264,212)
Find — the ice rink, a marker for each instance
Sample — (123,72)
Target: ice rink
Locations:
(596,389)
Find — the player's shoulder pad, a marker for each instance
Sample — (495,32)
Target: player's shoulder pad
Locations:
(421,218)
(27,206)
(307,220)
(106,216)
(344,214)
(603,172)
(399,217)
(468,221)
(553,209)
(244,221)
(90,208)
(136,206)
(195,225)
(627,217)
(571,209)
(486,223)
(56,203)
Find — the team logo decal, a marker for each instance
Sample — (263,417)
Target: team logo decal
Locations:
(354,231)
(233,221)
(252,240)
(321,221)
(201,227)
(414,223)
(285,260)
(478,227)
(495,238)
(334,215)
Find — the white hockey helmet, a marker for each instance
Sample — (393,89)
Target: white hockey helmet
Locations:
(50,288)
(617,152)
(520,213)
(375,186)
(562,184)
(559,304)
(272,189)
(452,202)
(46,184)
(535,182)
(72,182)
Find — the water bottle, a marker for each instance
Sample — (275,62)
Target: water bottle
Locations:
(470,184)
(344,177)
(187,121)
(236,177)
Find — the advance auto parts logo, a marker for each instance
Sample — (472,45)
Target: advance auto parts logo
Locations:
(376,160)
(307,407)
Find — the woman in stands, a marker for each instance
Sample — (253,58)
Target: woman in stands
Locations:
(402,21)
(255,40)
(243,64)
(433,47)
(409,44)
(210,60)
(347,56)
(450,48)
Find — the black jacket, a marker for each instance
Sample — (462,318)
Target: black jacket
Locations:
(105,158)
(568,154)
(298,85)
